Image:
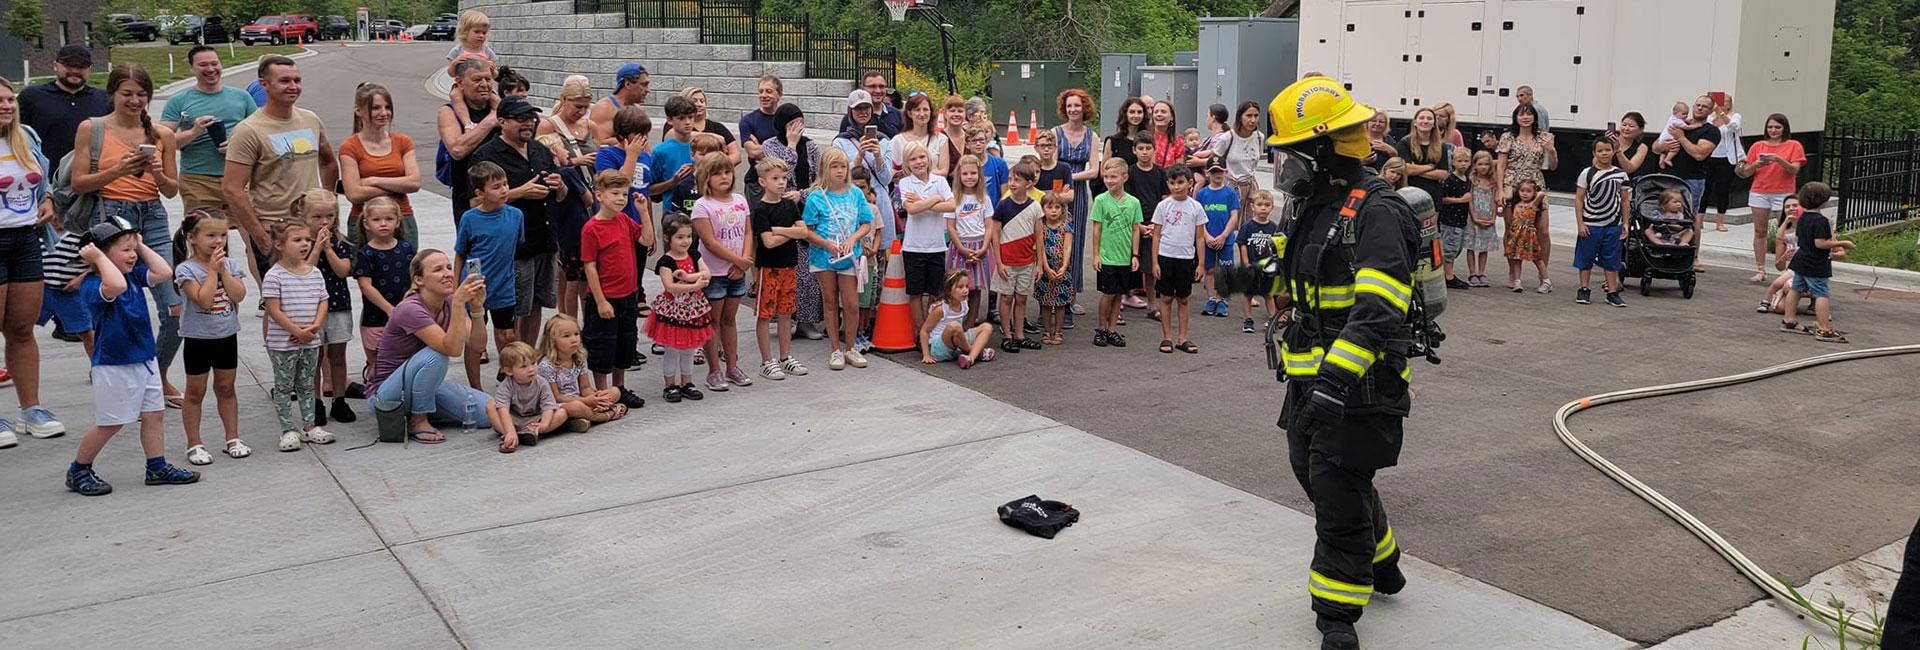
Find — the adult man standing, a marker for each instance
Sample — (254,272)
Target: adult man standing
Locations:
(55,109)
(201,117)
(1348,262)
(756,126)
(631,83)
(885,116)
(474,123)
(1696,141)
(537,185)
(1524,96)
(274,155)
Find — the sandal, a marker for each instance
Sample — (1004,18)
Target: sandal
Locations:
(237,449)
(1794,327)
(644,309)
(618,411)
(1166,346)
(1153,315)
(1188,347)
(427,436)
(1829,336)
(1029,344)
(509,444)
(987,355)
(1119,322)
(175,400)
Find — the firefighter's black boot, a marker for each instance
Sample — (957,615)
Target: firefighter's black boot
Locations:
(1337,635)
(1387,579)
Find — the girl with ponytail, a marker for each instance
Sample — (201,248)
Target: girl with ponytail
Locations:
(137,167)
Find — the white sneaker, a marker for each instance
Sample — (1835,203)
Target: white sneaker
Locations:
(793,367)
(317,436)
(1546,286)
(772,370)
(289,441)
(7,438)
(837,361)
(855,359)
(198,455)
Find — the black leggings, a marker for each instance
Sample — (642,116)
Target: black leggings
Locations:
(1719,184)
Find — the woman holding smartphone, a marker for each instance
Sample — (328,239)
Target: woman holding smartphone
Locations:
(1774,164)
(136,169)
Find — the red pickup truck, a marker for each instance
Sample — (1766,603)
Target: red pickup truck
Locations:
(287,28)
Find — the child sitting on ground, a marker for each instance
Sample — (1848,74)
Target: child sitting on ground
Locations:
(563,364)
(944,335)
(1672,227)
(523,406)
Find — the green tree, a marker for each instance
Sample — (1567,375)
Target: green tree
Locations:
(1875,78)
(106,32)
(26,20)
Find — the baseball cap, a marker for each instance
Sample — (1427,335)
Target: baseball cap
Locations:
(859,97)
(1216,166)
(74,54)
(512,107)
(628,71)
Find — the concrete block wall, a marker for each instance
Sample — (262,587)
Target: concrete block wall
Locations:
(547,42)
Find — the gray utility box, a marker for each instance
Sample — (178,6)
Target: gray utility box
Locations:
(1177,84)
(1029,88)
(1189,57)
(1245,59)
(1119,79)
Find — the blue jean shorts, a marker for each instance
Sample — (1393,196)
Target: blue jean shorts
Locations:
(1601,245)
(721,287)
(937,346)
(1816,287)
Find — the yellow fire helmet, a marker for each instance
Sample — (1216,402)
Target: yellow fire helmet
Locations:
(1313,107)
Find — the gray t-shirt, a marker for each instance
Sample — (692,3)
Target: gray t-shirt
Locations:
(217,322)
(527,402)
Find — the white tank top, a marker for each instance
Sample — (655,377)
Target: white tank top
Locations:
(949,316)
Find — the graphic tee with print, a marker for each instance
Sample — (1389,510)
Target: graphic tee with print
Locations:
(217,322)
(731,221)
(1177,219)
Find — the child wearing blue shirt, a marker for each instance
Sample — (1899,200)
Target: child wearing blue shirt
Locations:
(1222,204)
(672,171)
(126,381)
(488,235)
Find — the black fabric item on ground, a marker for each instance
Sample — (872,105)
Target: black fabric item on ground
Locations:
(1039,517)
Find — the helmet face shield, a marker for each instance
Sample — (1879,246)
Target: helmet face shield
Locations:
(1292,174)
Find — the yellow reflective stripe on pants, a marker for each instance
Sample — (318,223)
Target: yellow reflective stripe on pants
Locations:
(1340,592)
(1353,358)
(1302,364)
(1385,548)
(1395,292)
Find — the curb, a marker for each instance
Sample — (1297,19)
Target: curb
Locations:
(174,88)
(439,84)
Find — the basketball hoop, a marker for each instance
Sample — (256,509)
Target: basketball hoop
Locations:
(897,9)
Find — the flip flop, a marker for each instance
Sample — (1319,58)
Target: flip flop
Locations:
(1166,346)
(1188,347)
(419,436)
(175,401)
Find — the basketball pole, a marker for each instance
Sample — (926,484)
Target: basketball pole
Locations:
(931,13)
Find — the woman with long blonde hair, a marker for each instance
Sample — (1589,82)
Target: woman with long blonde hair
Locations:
(20,252)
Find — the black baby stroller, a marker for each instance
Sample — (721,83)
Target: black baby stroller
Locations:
(1648,259)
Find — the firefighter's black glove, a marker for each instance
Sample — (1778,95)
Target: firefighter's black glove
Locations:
(1326,404)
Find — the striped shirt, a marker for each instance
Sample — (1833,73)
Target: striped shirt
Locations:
(63,264)
(1603,187)
(301,298)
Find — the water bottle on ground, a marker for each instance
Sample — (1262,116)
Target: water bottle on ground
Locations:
(466,415)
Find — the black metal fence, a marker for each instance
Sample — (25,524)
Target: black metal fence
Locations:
(827,54)
(1875,172)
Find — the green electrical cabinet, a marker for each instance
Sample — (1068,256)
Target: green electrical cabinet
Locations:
(1029,88)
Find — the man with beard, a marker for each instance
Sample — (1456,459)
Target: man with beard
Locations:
(536,186)
(274,155)
(475,122)
(55,109)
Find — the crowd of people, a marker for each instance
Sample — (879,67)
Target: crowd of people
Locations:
(571,208)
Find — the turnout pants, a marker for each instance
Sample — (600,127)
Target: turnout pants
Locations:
(1354,542)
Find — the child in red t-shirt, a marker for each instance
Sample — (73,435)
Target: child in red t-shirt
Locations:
(611,327)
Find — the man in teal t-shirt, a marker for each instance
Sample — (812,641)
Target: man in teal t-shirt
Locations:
(201,116)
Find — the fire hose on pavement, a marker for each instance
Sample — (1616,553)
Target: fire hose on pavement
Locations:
(1773,586)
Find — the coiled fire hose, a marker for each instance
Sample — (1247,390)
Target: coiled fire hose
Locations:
(1773,586)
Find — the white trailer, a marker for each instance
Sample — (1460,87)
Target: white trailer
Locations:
(1588,61)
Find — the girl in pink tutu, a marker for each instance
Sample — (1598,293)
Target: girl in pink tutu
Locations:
(681,319)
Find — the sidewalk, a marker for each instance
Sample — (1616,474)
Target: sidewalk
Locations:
(852,508)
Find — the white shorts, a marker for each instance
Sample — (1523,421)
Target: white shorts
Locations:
(338,328)
(122,393)
(1773,202)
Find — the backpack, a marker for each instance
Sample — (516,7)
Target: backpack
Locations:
(77,210)
(443,161)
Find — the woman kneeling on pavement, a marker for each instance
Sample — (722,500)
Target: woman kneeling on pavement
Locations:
(429,325)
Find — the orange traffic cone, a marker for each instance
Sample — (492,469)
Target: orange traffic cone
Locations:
(893,322)
(1013,130)
(940,122)
(1033,126)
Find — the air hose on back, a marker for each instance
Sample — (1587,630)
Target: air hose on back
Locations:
(1773,586)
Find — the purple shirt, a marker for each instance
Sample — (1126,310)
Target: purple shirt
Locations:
(397,341)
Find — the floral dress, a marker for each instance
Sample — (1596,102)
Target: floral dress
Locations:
(1051,292)
(1485,239)
(1523,237)
(1523,161)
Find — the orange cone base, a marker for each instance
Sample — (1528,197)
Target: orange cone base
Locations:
(893,329)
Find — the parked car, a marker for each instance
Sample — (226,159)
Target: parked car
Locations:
(441,29)
(415,31)
(335,28)
(134,27)
(288,28)
(386,28)
(189,28)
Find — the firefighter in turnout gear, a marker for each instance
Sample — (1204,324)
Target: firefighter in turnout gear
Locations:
(1347,265)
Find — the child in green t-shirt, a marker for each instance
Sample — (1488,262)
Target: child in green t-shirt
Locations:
(1113,217)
